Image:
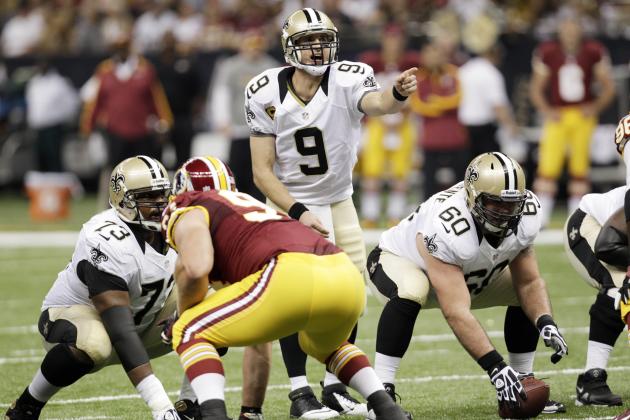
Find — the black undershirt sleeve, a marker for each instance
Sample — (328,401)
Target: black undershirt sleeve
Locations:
(118,320)
(98,281)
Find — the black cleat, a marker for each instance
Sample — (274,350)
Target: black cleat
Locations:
(188,410)
(553,407)
(336,397)
(22,412)
(592,389)
(304,405)
(391,391)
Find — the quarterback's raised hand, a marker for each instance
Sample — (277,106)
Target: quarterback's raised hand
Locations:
(406,82)
(552,337)
(505,380)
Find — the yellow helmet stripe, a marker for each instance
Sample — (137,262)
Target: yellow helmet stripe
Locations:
(219,173)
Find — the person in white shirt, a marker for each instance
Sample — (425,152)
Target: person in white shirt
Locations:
(305,122)
(51,102)
(22,33)
(484,100)
(150,27)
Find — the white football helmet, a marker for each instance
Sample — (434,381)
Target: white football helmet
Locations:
(138,190)
(309,22)
(495,193)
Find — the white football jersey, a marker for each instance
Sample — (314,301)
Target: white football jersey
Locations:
(450,235)
(317,142)
(107,243)
(602,206)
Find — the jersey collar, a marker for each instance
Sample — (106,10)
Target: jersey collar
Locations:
(284,80)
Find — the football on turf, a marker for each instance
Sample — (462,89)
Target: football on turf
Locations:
(537,396)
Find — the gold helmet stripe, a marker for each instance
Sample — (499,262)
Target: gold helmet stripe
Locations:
(219,174)
(511,180)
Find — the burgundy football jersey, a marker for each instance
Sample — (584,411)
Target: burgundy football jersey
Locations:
(246,233)
(571,77)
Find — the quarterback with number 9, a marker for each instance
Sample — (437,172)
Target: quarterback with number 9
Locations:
(468,247)
(305,128)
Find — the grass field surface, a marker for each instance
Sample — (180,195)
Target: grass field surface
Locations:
(437,379)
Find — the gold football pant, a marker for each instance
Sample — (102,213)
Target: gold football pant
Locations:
(320,297)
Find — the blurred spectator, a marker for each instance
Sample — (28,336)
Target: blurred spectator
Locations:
(150,27)
(389,140)
(443,139)
(59,19)
(484,99)
(87,36)
(217,32)
(179,75)
(565,72)
(51,103)
(129,105)
(22,33)
(116,24)
(226,106)
(343,22)
(188,27)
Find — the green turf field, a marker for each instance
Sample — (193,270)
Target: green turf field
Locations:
(437,379)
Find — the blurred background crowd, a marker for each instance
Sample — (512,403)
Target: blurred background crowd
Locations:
(85,83)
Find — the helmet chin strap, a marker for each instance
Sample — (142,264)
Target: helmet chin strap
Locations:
(313,70)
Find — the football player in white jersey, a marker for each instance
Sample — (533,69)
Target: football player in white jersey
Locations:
(599,253)
(468,247)
(305,124)
(105,306)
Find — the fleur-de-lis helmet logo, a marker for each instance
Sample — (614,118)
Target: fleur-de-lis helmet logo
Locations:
(117,180)
(473,174)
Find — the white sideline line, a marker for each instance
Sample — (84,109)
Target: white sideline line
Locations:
(68,238)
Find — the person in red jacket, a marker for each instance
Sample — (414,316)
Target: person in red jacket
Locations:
(129,105)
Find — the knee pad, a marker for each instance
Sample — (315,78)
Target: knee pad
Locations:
(64,365)
(606,325)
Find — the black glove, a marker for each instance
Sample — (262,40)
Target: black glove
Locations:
(552,337)
(167,328)
(505,380)
(623,293)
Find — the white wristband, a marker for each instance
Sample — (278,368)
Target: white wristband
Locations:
(153,393)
